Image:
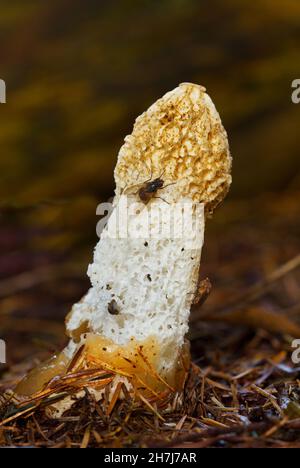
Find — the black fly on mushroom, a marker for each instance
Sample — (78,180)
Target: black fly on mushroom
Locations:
(150,187)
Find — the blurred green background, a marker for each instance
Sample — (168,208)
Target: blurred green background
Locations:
(79,72)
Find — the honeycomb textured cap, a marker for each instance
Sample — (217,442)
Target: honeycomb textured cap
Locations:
(181,139)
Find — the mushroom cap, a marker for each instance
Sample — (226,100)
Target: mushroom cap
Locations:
(181,140)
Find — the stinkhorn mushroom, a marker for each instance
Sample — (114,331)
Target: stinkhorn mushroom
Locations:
(144,278)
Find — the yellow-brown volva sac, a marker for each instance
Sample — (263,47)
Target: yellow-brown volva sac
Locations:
(172,171)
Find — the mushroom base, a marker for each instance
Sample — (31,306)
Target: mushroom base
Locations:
(137,363)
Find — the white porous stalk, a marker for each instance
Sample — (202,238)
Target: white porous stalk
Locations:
(146,265)
(150,273)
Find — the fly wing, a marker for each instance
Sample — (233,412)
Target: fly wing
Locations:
(132,189)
